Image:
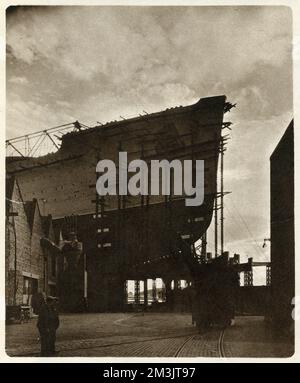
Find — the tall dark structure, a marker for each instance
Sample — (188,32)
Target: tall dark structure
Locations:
(282,231)
(129,237)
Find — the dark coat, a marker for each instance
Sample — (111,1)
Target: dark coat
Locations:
(48,319)
(53,317)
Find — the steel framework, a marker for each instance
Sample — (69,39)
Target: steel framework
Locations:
(42,142)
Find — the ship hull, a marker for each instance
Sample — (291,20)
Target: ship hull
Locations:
(133,237)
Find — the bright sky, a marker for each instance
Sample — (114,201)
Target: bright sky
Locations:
(97,63)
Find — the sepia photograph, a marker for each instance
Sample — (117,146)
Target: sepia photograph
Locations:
(149,182)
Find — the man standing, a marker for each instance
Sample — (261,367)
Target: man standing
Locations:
(48,322)
(42,324)
(53,324)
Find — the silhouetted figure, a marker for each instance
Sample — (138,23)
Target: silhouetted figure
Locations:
(42,324)
(48,323)
(53,323)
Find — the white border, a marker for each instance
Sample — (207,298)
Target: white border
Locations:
(295,6)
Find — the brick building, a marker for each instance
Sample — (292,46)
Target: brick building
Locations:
(30,267)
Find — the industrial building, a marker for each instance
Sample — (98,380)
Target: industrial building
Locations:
(283,231)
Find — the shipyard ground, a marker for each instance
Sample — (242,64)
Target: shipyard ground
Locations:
(148,335)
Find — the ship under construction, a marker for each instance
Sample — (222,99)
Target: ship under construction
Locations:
(124,238)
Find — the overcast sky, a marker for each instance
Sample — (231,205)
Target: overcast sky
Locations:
(97,63)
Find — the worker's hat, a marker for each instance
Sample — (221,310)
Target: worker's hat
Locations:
(50,298)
